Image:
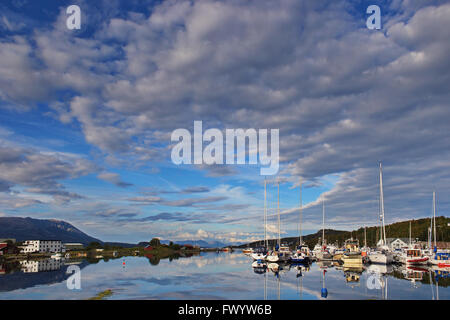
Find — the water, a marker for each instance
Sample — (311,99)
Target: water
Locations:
(218,276)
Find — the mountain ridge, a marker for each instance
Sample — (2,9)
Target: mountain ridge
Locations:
(28,228)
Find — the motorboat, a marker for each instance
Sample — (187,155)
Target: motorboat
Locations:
(414,256)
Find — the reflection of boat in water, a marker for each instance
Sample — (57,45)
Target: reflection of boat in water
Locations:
(274,267)
(259,267)
(325,264)
(352,275)
(414,274)
(380,268)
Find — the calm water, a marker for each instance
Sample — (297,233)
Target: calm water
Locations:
(218,276)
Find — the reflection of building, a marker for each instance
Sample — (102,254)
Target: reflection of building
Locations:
(30,246)
(40,266)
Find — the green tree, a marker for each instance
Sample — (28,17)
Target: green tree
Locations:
(155,242)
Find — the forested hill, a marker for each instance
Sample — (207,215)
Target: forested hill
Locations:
(419,230)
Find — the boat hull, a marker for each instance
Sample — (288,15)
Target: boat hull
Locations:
(259,256)
(381,258)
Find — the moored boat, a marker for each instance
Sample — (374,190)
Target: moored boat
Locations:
(414,256)
(383,254)
(259,253)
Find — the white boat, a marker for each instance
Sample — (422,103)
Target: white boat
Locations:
(382,255)
(259,254)
(56,256)
(441,259)
(281,254)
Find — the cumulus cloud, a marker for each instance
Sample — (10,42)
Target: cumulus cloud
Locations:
(40,172)
(344,97)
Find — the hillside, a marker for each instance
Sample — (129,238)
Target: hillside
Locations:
(419,230)
(34,229)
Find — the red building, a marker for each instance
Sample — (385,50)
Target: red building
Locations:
(148,248)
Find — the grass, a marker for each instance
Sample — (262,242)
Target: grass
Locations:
(102,295)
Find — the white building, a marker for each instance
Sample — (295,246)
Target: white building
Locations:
(42,246)
(396,243)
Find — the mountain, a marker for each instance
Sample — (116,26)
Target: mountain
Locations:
(39,229)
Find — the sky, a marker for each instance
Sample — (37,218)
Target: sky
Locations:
(86,116)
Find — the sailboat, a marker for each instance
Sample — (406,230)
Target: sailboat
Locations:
(260,254)
(281,252)
(323,253)
(382,255)
(440,258)
(302,255)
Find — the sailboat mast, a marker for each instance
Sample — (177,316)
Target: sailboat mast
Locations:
(410,233)
(383,227)
(265,213)
(301,208)
(365,237)
(279,223)
(434,216)
(323,221)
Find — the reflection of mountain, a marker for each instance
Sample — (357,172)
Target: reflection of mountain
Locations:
(20,280)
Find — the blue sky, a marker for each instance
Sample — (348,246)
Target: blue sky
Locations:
(86,115)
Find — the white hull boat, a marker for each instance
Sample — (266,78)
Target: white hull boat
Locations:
(381,257)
